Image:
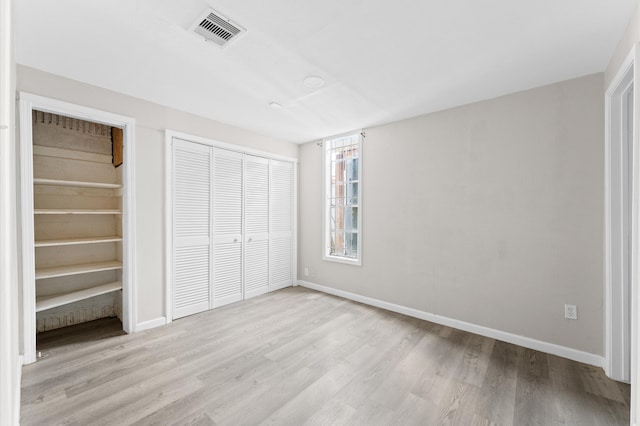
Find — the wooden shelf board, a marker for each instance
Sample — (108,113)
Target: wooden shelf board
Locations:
(76,241)
(82,184)
(75,211)
(62,271)
(48,302)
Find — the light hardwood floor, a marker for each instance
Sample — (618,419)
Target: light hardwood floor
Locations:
(299,357)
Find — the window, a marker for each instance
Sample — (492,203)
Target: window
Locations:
(342,198)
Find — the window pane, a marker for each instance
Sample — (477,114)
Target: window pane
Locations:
(339,218)
(352,193)
(351,249)
(337,196)
(352,169)
(332,244)
(351,219)
(332,218)
(339,246)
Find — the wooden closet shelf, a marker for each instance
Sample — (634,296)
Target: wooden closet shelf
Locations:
(82,184)
(75,211)
(77,241)
(48,302)
(62,271)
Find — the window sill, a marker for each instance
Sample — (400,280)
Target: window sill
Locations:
(346,261)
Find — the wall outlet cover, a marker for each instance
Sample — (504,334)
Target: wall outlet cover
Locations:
(570,311)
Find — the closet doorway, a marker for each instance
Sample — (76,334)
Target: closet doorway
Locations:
(77,207)
(230,224)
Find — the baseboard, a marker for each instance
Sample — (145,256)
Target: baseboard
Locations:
(527,342)
(146,325)
(17,391)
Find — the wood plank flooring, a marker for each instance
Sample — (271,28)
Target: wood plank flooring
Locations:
(299,357)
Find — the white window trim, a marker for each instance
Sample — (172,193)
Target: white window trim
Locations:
(325,202)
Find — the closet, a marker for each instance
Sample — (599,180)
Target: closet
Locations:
(231,225)
(77,222)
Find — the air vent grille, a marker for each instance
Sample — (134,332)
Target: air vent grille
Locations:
(216,28)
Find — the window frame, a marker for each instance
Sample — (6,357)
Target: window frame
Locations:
(326,204)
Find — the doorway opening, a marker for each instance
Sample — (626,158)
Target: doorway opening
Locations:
(77,206)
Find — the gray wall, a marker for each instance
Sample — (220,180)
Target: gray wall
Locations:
(151,121)
(490,213)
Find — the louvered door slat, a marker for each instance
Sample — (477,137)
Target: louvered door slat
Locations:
(281,262)
(281,225)
(256,250)
(227,219)
(257,268)
(191,227)
(257,195)
(226,275)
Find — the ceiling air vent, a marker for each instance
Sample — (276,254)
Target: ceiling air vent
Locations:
(216,28)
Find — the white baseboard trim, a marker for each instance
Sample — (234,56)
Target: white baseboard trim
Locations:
(527,342)
(146,325)
(17,392)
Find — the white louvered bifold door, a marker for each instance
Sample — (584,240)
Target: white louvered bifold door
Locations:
(256,278)
(191,228)
(227,227)
(281,225)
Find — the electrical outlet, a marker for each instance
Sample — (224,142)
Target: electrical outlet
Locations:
(570,312)
(306,272)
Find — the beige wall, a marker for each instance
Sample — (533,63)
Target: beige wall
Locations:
(151,121)
(490,213)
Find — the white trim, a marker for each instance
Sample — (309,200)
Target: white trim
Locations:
(129,289)
(294,237)
(9,346)
(614,360)
(26,232)
(168,226)
(28,102)
(635,237)
(17,391)
(227,146)
(147,325)
(527,342)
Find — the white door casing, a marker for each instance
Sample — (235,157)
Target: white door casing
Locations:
(620,221)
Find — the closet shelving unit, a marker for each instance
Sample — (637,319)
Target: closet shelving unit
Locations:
(75,180)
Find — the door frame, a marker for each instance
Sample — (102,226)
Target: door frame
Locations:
(29,102)
(168,207)
(618,292)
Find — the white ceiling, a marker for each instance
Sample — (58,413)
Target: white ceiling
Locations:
(382,60)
